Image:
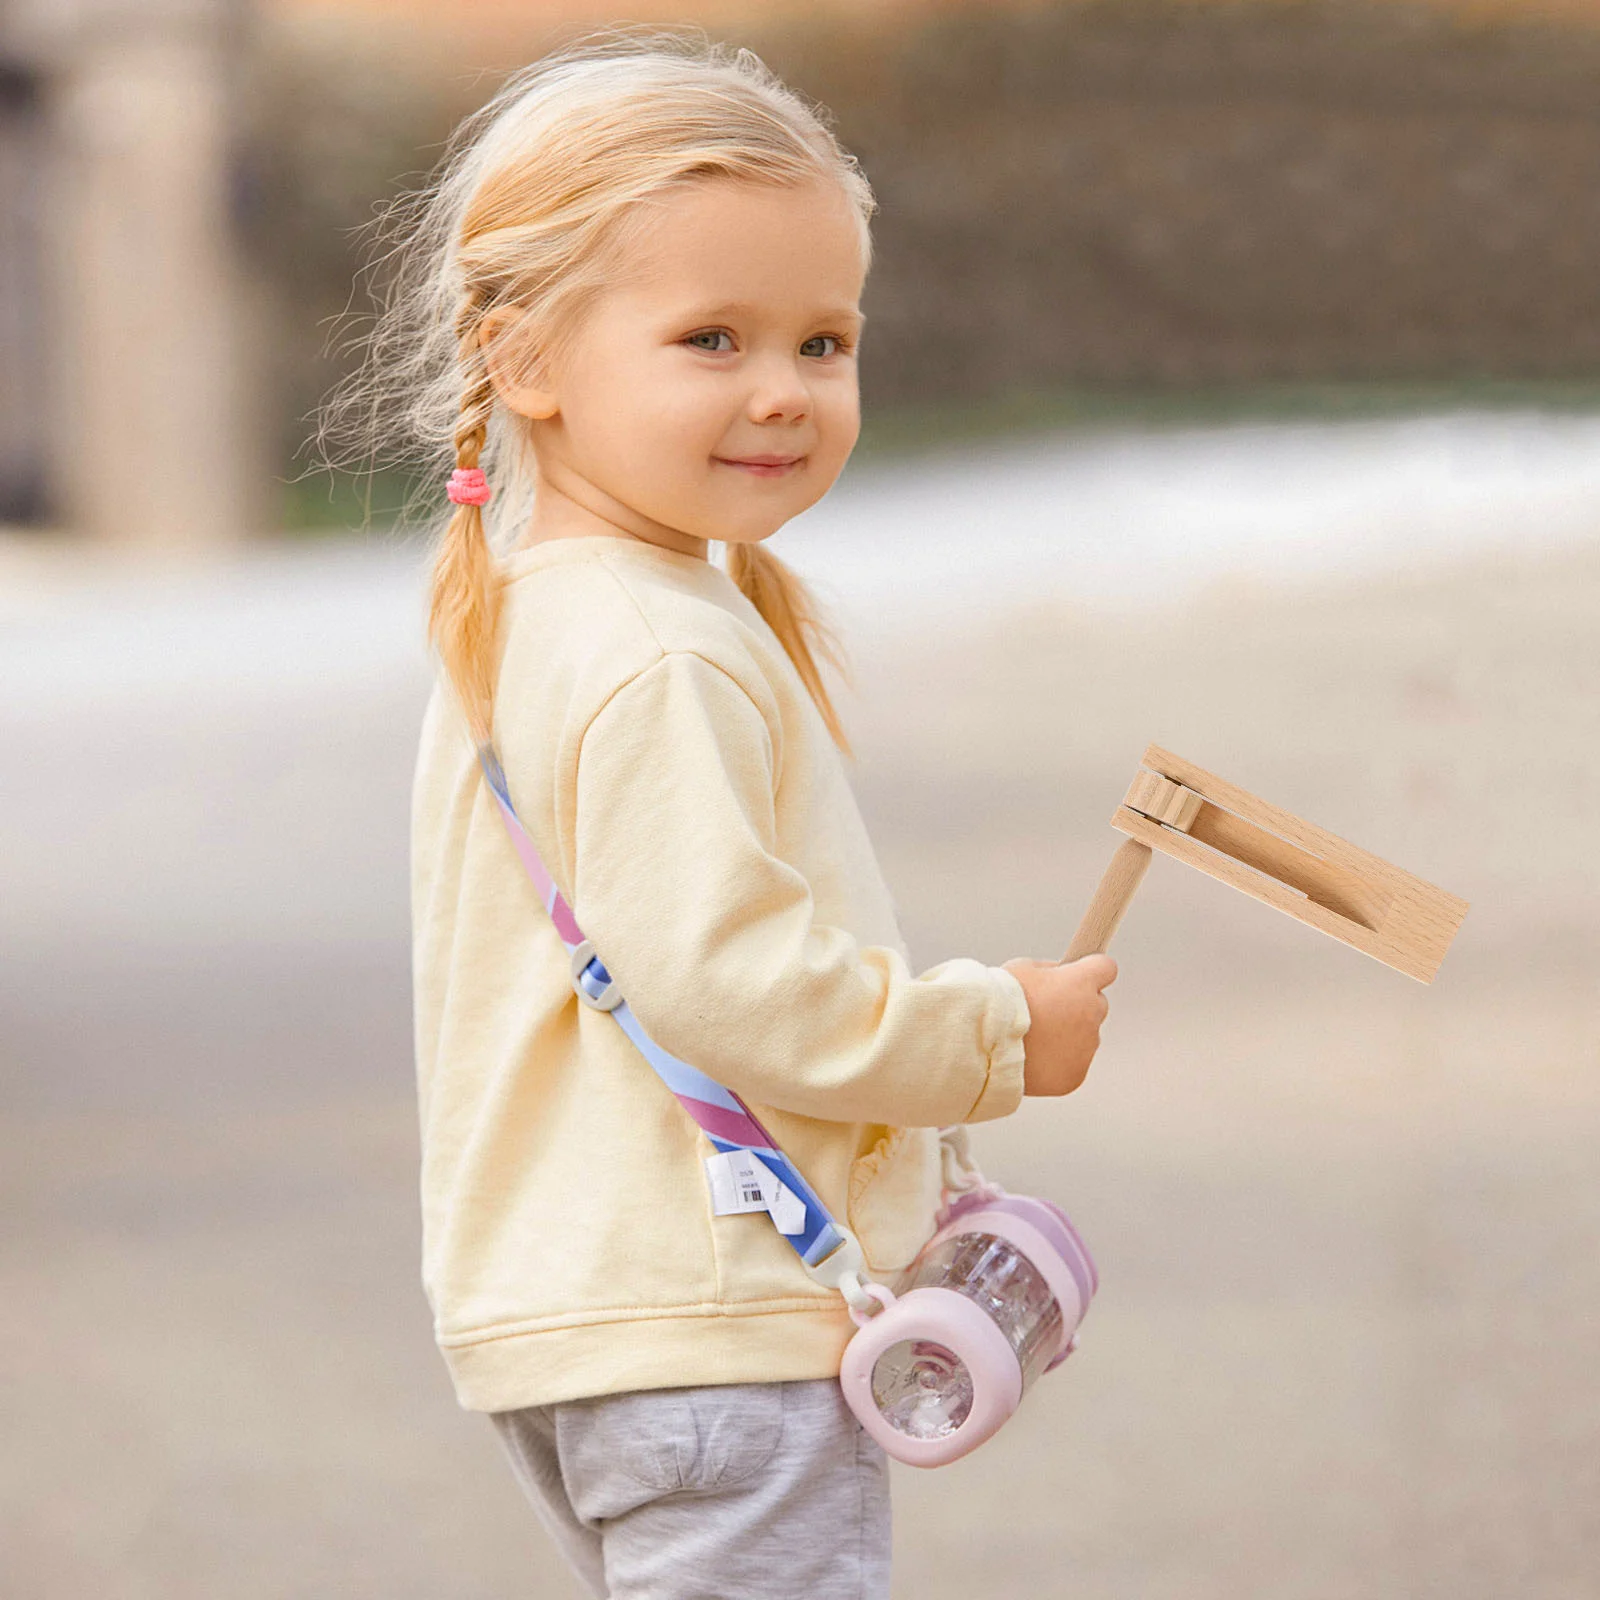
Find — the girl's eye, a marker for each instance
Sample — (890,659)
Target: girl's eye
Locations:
(841,344)
(707,333)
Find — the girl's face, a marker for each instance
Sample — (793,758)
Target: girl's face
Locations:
(731,339)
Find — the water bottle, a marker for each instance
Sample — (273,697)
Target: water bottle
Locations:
(993,1299)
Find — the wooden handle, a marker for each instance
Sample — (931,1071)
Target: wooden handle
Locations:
(1122,877)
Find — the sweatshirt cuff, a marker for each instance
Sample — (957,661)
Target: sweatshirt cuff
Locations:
(1009,1020)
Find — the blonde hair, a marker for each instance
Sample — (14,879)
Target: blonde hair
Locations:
(534,205)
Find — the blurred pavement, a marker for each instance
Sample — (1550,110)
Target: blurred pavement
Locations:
(1347,1225)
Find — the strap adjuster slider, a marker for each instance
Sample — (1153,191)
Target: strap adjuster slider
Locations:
(591,982)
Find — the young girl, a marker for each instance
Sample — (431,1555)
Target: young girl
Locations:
(630,307)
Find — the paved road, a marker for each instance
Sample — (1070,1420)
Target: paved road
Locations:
(1347,1225)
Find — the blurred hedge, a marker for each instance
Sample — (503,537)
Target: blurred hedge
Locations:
(1146,193)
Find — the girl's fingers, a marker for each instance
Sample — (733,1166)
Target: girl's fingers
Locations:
(1101,970)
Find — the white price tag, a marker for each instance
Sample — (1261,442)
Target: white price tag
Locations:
(741,1181)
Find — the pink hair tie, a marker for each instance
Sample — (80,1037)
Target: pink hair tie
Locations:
(469,487)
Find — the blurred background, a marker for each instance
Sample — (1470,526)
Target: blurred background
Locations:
(1234,383)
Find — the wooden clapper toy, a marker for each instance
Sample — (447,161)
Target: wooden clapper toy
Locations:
(1318,878)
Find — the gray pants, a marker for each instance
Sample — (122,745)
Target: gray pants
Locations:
(749,1491)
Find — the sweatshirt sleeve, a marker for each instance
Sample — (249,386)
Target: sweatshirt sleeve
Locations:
(715,942)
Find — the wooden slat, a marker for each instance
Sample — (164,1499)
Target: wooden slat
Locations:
(1329,884)
(1302,870)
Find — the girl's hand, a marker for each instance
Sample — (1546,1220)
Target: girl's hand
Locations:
(1066,1008)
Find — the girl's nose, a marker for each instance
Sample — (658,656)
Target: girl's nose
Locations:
(780,394)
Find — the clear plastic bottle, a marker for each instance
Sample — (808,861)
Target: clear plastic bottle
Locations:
(994,1299)
(923,1389)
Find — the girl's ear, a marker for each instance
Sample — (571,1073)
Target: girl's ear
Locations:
(513,366)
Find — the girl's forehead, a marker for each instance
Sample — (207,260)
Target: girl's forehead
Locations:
(739,246)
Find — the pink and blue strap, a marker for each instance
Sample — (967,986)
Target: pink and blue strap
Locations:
(726,1120)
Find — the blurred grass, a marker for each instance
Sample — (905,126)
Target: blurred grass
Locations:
(322,503)
(325,503)
(905,430)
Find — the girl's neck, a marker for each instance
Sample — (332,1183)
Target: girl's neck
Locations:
(559,516)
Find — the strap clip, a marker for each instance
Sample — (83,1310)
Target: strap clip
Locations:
(844,1269)
(591,982)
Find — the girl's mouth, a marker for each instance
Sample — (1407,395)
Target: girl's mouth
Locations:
(763,469)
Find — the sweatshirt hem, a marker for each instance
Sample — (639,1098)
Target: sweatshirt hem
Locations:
(700,1345)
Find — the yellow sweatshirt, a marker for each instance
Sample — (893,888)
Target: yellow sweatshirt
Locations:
(683,792)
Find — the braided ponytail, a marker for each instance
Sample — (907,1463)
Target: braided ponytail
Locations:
(791,611)
(464,605)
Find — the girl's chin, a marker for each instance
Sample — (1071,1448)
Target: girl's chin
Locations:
(746,535)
